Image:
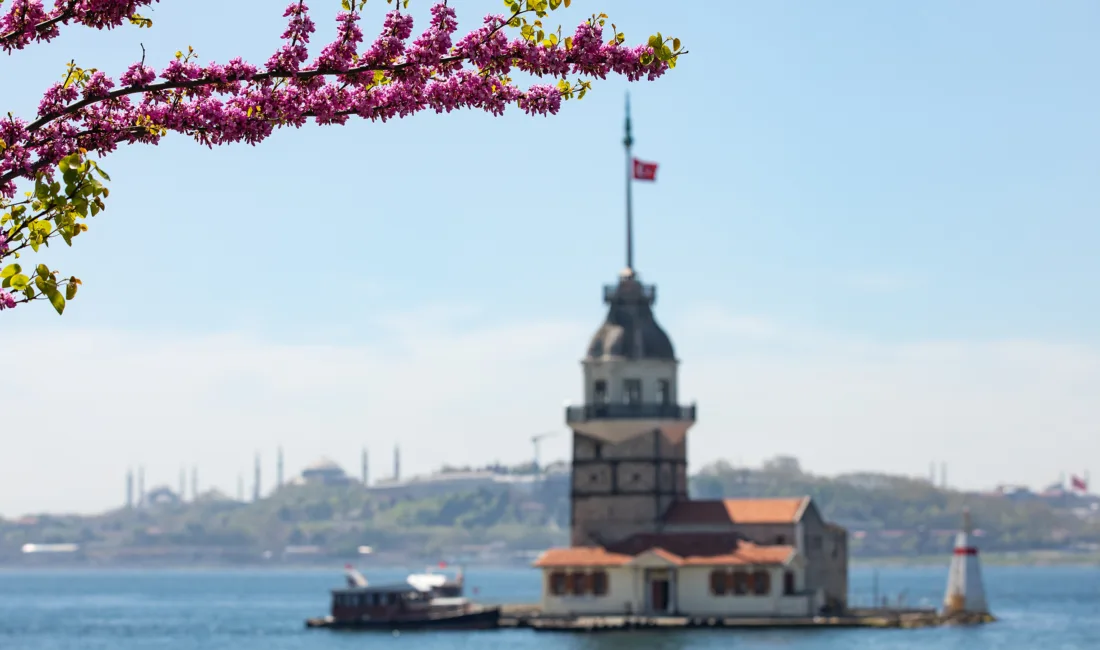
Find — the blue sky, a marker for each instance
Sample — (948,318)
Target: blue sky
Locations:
(873,231)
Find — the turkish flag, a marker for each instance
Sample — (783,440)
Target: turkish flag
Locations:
(1078,484)
(645,171)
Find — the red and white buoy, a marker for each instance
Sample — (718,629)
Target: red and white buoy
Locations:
(965,591)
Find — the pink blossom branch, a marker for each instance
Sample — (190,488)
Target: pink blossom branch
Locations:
(29,21)
(238,102)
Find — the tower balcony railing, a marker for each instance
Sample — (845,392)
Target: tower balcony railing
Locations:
(648,293)
(590,412)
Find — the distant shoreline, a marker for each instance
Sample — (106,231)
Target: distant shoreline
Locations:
(336,565)
(1016,558)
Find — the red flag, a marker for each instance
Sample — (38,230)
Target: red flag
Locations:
(1078,484)
(645,171)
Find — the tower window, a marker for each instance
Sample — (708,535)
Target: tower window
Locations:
(632,391)
(664,394)
(599,392)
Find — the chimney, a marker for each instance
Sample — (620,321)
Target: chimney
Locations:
(141,487)
(183,485)
(194,482)
(396,464)
(129,489)
(279,469)
(365,469)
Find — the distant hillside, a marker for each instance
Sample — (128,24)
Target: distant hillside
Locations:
(885,516)
(895,515)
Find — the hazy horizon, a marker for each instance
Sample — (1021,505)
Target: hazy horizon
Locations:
(873,234)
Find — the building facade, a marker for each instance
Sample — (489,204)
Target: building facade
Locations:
(639,544)
(751,581)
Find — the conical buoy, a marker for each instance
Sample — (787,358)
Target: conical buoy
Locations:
(965,591)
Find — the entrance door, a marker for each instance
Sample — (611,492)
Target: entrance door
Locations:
(658,595)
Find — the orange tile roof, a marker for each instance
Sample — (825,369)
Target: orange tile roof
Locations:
(738,511)
(581,556)
(594,556)
(665,555)
(746,553)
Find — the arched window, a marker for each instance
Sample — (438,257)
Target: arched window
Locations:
(599,583)
(580,583)
(557,583)
(762,582)
(740,583)
(718,582)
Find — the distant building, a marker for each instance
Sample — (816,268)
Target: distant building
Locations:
(324,472)
(162,496)
(640,545)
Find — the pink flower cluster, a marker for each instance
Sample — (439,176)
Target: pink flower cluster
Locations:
(27,21)
(239,102)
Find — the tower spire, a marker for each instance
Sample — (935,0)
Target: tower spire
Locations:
(628,142)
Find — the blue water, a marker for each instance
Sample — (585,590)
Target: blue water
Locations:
(1040,608)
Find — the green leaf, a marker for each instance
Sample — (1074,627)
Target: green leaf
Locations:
(43,271)
(70,290)
(18,281)
(10,270)
(56,299)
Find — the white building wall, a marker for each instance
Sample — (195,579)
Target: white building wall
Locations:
(619,599)
(615,371)
(696,599)
(691,596)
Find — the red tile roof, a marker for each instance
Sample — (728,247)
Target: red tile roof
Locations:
(581,556)
(595,556)
(738,511)
(746,553)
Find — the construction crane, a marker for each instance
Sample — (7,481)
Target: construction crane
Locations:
(535,440)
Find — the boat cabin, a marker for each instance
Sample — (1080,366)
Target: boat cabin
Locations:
(390,602)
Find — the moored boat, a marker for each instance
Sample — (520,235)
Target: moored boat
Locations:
(427,601)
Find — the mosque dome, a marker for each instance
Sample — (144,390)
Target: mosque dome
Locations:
(323,465)
(630,331)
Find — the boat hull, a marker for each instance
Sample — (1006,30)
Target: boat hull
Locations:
(485,619)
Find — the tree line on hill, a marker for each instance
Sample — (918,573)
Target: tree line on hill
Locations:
(885,515)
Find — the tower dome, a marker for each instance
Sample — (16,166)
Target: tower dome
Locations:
(630,330)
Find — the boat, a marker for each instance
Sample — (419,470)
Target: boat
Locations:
(425,601)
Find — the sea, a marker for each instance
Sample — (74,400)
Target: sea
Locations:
(1047,608)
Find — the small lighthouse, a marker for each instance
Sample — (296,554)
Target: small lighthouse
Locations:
(965,591)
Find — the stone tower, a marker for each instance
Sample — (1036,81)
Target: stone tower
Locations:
(630,435)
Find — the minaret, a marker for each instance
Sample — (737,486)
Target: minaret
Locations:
(396,464)
(240,487)
(365,468)
(183,485)
(194,482)
(256,486)
(965,591)
(129,489)
(630,435)
(141,487)
(279,470)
